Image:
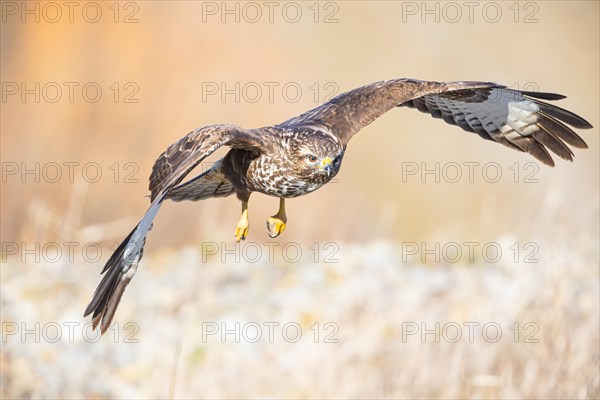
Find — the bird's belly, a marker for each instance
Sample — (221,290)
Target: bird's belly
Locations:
(283,186)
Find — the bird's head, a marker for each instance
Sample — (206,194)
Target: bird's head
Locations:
(317,157)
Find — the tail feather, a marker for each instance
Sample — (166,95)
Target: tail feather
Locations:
(120,269)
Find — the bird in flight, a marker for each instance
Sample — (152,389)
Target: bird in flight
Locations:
(302,154)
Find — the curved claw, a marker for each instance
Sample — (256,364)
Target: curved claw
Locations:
(275,226)
(241,232)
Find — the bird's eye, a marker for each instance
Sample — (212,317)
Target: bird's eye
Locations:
(336,161)
(311,158)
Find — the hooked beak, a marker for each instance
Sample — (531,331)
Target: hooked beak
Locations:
(326,165)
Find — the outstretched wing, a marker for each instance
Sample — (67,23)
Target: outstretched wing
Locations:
(184,155)
(212,183)
(170,168)
(349,112)
(517,119)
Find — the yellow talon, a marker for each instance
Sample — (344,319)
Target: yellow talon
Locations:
(276,223)
(275,226)
(241,231)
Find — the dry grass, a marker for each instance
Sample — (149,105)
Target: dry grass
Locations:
(370,293)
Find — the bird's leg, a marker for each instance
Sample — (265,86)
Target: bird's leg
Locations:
(276,223)
(242,227)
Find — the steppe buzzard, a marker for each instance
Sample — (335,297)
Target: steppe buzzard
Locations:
(302,154)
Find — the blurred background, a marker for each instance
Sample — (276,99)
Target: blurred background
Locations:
(93,92)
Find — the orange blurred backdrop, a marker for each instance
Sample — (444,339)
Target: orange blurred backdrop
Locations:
(85,94)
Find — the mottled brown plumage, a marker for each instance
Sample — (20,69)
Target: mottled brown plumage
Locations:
(302,154)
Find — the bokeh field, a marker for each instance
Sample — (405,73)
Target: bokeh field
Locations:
(437,265)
